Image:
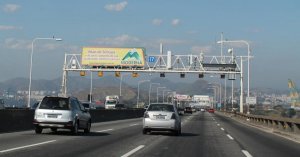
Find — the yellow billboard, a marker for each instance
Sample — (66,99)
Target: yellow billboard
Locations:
(113,56)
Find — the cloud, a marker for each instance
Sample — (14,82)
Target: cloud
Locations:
(18,44)
(11,8)
(175,22)
(3,27)
(157,22)
(156,42)
(116,7)
(118,41)
(9,40)
(253,30)
(204,49)
(13,44)
(192,32)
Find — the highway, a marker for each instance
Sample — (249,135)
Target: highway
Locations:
(203,134)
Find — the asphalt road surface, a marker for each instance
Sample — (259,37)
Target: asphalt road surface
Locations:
(203,134)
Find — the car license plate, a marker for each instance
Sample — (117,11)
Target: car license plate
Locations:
(52,116)
(160,117)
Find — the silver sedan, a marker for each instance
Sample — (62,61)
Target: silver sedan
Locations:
(162,117)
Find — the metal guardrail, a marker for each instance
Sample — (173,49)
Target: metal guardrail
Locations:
(288,125)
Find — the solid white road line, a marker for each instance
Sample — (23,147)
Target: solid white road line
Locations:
(133,124)
(133,151)
(7,150)
(218,124)
(246,153)
(105,130)
(229,136)
(222,129)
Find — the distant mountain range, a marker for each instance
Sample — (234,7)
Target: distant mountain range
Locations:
(111,83)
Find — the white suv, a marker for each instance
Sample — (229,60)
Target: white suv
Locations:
(61,113)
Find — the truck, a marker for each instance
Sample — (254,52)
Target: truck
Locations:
(112,100)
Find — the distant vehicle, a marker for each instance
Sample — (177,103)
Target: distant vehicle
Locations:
(112,100)
(188,110)
(87,106)
(1,104)
(61,113)
(120,106)
(35,105)
(193,109)
(211,110)
(162,117)
(202,110)
(180,111)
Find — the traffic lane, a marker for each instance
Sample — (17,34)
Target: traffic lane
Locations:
(19,139)
(200,137)
(257,142)
(24,138)
(107,143)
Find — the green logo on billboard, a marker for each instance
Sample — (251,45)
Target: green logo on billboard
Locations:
(132,54)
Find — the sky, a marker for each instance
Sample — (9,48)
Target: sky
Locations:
(272,29)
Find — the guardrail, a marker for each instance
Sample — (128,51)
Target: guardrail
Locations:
(287,125)
(22,119)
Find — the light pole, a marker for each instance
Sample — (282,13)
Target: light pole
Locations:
(137,101)
(242,41)
(215,95)
(157,93)
(30,75)
(164,95)
(121,83)
(91,87)
(220,91)
(150,90)
(232,61)
(224,93)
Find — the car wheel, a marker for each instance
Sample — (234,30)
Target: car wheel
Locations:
(38,130)
(74,130)
(144,131)
(53,129)
(88,127)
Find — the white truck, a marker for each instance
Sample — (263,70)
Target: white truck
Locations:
(112,100)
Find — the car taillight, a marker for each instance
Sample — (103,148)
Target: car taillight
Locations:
(184,109)
(173,116)
(146,115)
(70,124)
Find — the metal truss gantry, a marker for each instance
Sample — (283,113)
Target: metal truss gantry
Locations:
(183,64)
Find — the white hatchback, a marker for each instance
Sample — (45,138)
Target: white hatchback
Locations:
(162,117)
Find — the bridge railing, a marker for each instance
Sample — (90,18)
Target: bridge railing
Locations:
(287,125)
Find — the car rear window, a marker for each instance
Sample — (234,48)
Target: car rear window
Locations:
(161,107)
(55,104)
(188,108)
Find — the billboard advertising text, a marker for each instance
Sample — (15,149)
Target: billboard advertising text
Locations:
(112,56)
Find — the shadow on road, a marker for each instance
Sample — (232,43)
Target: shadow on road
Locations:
(165,133)
(68,133)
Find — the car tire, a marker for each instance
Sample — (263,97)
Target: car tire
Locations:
(38,130)
(74,130)
(144,131)
(54,129)
(88,127)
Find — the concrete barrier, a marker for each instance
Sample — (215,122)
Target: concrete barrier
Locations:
(287,125)
(21,119)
